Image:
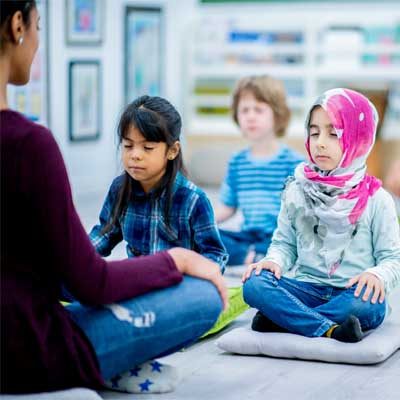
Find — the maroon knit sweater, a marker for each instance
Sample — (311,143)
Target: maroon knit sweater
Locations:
(44,245)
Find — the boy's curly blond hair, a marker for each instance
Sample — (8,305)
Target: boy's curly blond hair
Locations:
(268,90)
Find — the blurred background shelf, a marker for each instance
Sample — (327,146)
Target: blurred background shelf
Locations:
(309,51)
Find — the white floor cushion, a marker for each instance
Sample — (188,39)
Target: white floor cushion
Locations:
(71,394)
(374,348)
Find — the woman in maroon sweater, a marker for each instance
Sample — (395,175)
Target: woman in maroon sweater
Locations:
(45,346)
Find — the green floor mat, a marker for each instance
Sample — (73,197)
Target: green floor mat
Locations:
(237,306)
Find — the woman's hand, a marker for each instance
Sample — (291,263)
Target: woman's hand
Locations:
(191,263)
(373,283)
(269,265)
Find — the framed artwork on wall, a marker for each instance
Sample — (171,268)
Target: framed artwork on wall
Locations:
(32,99)
(84,21)
(144,52)
(84,100)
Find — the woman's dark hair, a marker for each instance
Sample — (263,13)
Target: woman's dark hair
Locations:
(158,121)
(7,9)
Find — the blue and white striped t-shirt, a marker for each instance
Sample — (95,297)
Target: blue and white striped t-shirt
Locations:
(254,186)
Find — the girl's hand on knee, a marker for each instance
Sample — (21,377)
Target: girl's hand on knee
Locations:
(268,265)
(189,262)
(373,283)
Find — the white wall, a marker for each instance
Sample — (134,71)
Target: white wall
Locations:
(92,165)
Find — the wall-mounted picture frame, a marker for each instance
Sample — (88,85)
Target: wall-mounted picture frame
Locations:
(84,100)
(33,99)
(84,22)
(144,52)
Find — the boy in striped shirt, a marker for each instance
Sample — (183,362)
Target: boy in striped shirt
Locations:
(256,175)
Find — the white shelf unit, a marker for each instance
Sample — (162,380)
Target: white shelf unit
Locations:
(310,52)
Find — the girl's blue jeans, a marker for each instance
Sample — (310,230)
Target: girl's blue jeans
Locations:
(155,324)
(306,308)
(238,244)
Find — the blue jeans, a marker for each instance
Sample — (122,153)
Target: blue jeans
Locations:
(308,309)
(238,244)
(152,325)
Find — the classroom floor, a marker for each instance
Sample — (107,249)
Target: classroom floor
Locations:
(206,372)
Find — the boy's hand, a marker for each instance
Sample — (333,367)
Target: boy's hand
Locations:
(269,265)
(373,283)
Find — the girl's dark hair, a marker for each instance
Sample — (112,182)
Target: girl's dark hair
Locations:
(7,9)
(158,121)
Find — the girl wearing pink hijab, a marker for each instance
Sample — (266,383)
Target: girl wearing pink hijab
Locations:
(337,233)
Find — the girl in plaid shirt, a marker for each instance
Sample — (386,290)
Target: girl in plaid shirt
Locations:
(152,206)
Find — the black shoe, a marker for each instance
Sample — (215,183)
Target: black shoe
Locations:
(349,331)
(261,323)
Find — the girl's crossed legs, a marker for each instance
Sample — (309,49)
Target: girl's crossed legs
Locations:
(308,309)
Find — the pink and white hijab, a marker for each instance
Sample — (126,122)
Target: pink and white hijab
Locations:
(338,198)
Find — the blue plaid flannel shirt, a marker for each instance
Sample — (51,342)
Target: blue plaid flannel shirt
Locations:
(144,229)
